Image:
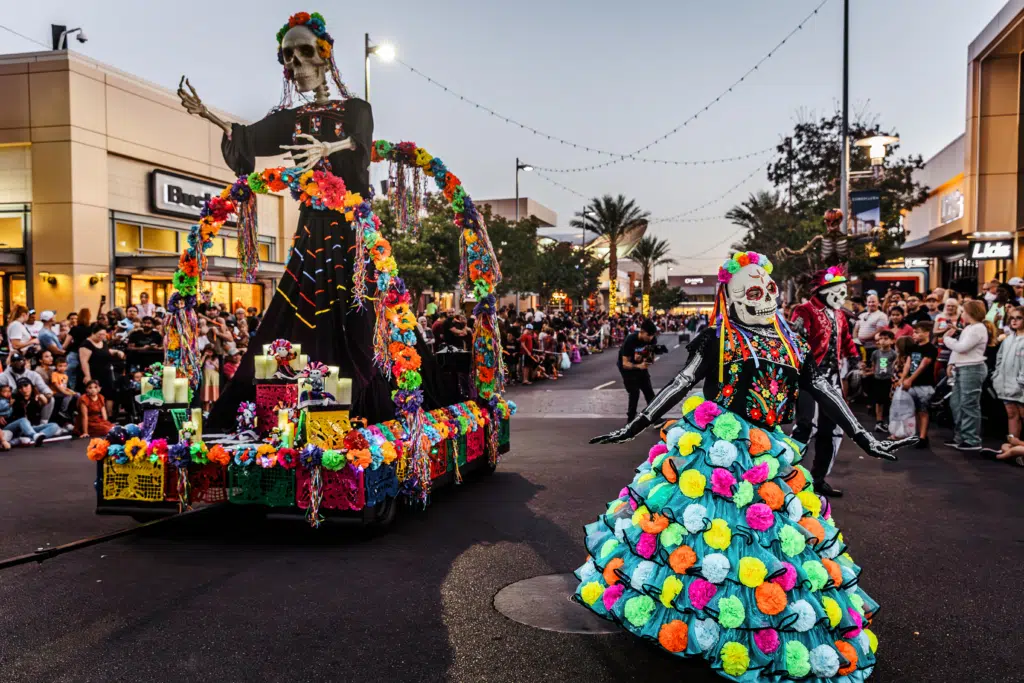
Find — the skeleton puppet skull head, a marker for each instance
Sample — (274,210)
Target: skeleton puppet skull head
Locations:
(834,297)
(302,58)
(753,295)
(316,381)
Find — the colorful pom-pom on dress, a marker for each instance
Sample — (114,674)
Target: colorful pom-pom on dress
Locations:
(720,549)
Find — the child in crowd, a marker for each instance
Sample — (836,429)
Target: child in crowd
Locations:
(880,370)
(211,378)
(903,345)
(918,375)
(66,398)
(27,413)
(6,434)
(231,363)
(92,412)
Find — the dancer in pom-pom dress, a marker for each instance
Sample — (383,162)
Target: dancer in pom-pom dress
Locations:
(720,548)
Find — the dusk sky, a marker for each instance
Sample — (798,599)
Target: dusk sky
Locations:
(610,75)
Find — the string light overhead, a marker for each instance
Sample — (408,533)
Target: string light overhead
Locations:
(676,218)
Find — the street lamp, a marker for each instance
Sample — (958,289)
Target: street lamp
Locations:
(876,145)
(385,52)
(520,166)
(60,35)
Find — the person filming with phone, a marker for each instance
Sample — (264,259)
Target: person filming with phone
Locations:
(635,356)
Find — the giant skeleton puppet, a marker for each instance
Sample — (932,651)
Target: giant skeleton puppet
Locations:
(721,524)
(313,305)
(827,331)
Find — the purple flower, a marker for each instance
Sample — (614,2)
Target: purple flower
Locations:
(311,456)
(179,456)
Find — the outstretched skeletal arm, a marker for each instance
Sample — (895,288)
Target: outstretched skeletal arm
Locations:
(307,155)
(193,105)
(696,366)
(786,252)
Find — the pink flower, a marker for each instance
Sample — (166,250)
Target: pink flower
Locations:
(767,640)
(787,580)
(755,258)
(706,413)
(624,493)
(826,510)
(700,592)
(757,475)
(760,517)
(612,595)
(773,387)
(646,545)
(724,276)
(722,482)
(632,505)
(332,189)
(656,450)
(855,615)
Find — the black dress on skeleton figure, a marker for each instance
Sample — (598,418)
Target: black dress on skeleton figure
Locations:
(313,304)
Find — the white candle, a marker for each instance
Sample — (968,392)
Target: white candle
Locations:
(170,373)
(197,420)
(266,349)
(180,390)
(282,418)
(344,395)
(302,361)
(145,388)
(297,349)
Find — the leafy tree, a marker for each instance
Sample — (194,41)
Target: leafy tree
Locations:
(515,245)
(428,259)
(612,218)
(564,267)
(665,297)
(770,227)
(649,253)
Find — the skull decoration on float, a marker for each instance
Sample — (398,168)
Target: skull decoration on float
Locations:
(669,539)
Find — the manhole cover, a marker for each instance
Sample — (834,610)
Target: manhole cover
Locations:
(544,602)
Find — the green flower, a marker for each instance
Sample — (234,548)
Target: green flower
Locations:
(185,284)
(639,610)
(410,380)
(744,494)
(256,183)
(773,465)
(198,454)
(731,613)
(659,495)
(608,546)
(816,574)
(333,460)
(798,660)
(726,427)
(732,266)
(793,542)
(672,535)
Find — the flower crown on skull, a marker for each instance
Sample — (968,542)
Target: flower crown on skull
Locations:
(316,367)
(833,275)
(316,23)
(740,259)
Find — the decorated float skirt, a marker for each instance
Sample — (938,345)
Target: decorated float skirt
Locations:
(720,549)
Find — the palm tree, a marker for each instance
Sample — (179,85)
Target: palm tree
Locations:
(612,218)
(649,253)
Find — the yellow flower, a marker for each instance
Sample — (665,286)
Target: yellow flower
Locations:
(639,514)
(810,502)
(690,404)
(872,640)
(692,483)
(670,590)
(835,614)
(592,592)
(469,236)
(423,158)
(688,442)
(312,189)
(752,572)
(719,536)
(305,178)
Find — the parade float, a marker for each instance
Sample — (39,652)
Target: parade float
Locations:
(302,442)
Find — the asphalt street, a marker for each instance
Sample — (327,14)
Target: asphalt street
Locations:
(225,597)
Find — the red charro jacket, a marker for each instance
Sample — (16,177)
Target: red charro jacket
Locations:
(816,329)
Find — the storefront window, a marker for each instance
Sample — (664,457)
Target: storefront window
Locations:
(121,293)
(18,294)
(246,295)
(160,240)
(217,249)
(231,247)
(264,252)
(126,238)
(12,233)
(220,292)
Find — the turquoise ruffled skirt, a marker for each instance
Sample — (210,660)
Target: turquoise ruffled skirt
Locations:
(719,548)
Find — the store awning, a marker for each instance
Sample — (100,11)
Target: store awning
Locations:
(12,258)
(218,265)
(927,247)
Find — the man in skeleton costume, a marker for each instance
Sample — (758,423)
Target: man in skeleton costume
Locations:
(720,547)
(313,305)
(827,331)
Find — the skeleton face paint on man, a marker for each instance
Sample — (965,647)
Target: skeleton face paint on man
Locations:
(302,59)
(753,296)
(834,297)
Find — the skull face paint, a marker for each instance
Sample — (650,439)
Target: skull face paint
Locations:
(753,296)
(834,297)
(307,68)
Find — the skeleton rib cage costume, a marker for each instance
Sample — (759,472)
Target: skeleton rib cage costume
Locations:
(719,547)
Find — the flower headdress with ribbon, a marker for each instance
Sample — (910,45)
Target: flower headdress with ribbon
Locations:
(833,275)
(316,23)
(720,314)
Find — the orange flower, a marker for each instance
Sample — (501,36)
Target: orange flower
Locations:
(485,374)
(771,598)
(797,482)
(814,527)
(654,524)
(219,455)
(381,250)
(298,19)
(849,653)
(360,458)
(833,571)
(189,267)
(668,470)
(772,495)
(682,558)
(408,359)
(98,449)
(395,349)
(759,442)
(610,577)
(674,636)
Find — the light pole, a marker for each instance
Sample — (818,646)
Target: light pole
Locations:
(583,236)
(844,174)
(385,51)
(520,166)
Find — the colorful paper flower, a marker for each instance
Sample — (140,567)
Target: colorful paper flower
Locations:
(98,449)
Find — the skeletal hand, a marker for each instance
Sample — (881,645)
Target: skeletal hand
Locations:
(306,156)
(190,99)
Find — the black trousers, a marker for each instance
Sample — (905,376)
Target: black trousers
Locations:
(812,422)
(637,382)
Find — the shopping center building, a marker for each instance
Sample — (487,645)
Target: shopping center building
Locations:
(969,227)
(101,176)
